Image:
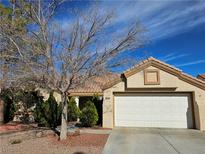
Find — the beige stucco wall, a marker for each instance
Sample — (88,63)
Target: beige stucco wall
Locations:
(46,94)
(108,99)
(166,80)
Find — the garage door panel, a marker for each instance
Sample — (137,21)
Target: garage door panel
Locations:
(170,111)
(160,124)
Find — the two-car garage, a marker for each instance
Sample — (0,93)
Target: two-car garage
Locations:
(154,94)
(166,110)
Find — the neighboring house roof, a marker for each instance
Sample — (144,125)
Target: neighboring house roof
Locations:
(94,85)
(201,77)
(161,65)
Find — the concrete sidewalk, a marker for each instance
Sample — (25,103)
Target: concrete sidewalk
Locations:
(95,131)
(155,141)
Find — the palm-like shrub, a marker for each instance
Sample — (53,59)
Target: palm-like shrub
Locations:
(89,115)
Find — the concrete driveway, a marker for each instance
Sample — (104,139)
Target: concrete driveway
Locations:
(155,141)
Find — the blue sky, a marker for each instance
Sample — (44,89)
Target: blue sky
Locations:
(175,29)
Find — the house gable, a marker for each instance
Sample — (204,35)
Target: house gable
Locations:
(135,77)
(163,79)
(138,80)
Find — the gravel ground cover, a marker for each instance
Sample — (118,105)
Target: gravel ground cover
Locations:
(75,144)
(16,127)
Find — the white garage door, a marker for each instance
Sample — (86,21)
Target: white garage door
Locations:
(153,110)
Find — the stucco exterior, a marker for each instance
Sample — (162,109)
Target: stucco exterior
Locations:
(168,83)
(45,93)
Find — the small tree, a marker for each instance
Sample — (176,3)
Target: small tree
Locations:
(52,58)
(73,110)
(39,113)
(98,104)
(89,115)
(48,113)
(52,111)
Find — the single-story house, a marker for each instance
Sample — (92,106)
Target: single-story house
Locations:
(151,94)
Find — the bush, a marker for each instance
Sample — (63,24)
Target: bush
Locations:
(9,105)
(26,100)
(98,104)
(40,115)
(89,115)
(48,113)
(16,99)
(73,110)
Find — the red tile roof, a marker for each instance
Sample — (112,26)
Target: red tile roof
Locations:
(201,77)
(95,84)
(98,84)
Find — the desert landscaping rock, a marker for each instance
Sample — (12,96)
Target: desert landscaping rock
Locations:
(39,134)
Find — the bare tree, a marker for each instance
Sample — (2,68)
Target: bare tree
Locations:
(60,59)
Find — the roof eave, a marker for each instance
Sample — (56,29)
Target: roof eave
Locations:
(163,66)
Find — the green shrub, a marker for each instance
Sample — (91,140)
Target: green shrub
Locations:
(9,104)
(12,97)
(28,100)
(89,115)
(98,104)
(73,110)
(40,115)
(48,113)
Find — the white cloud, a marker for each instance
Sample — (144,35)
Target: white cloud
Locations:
(163,18)
(173,56)
(191,63)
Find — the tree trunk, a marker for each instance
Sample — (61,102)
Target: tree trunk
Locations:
(63,132)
